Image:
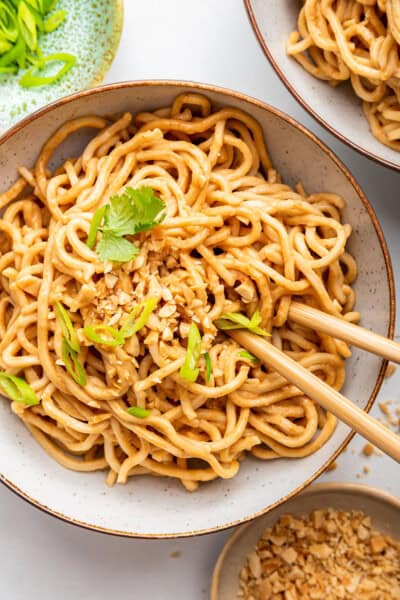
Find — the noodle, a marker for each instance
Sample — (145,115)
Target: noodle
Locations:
(234,239)
(356,40)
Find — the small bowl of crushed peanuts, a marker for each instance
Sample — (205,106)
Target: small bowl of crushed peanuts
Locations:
(334,541)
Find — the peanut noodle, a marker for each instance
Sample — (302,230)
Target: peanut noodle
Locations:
(355,40)
(235,239)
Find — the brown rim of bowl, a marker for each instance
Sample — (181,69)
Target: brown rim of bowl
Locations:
(202,87)
(348,488)
(307,107)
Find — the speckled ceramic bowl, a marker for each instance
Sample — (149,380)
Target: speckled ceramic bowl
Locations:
(383,508)
(337,109)
(152,507)
(91,31)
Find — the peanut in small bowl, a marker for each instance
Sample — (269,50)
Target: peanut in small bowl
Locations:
(332,541)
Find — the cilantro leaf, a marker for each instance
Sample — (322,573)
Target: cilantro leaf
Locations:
(127,214)
(133,211)
(118,216)
(115,248)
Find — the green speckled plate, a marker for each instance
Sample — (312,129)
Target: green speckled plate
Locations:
(91,31)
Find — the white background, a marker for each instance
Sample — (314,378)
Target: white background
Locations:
(42,558)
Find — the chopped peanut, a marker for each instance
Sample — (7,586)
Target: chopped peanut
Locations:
(328,555)
(368,450)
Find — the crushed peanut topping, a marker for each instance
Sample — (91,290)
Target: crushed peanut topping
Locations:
(327,555)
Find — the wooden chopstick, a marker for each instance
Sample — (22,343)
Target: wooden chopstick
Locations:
(343,330)
(320,392)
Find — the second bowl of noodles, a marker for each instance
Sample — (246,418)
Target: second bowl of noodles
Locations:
(139,223)
(340,60)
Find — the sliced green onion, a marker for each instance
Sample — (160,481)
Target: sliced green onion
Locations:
(5,45)
(67,327)
(27,25)
(248,356)
(8,69)
(54,21)
(235,321)
(18,390)
(132,325)
(8,22)
(21,22)
(38,19)
(32,59)
(31,79)
(138,411)
(188,370)
(208,366)
(94,226)
(115,337)
(255,319)
(21,58)
(14,54)
(48,5)
(35,4)
(229,321)
(72,363)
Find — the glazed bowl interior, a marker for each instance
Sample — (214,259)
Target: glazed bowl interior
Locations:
(383,509)
(157,507)
(336,108)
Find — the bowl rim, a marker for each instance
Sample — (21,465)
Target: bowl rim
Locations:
(228,93)
(297,96)
(358,489)
(117,26)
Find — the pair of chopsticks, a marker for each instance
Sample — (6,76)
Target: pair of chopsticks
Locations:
(318,390)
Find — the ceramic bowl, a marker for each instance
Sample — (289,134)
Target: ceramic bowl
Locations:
(152,507)
(337,109)
(383,508)
(91,31)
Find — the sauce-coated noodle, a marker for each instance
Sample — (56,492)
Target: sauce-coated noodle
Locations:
(355,40)
(235,239)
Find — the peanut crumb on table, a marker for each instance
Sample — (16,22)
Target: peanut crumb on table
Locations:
(327,555)
(390,370)
(391,419)
(368,450)
(384,406)
(332,467)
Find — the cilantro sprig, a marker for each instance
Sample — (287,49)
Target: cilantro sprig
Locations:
(129,213)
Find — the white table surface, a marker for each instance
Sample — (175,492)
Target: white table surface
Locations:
(42,558)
